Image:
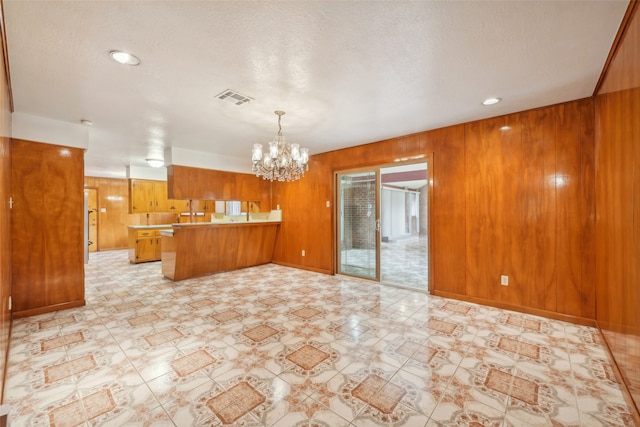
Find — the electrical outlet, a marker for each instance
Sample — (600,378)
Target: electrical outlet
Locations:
(504,280)
(303,252)
(328,204)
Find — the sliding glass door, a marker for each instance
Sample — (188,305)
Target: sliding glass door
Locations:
(359,224)
(383,224)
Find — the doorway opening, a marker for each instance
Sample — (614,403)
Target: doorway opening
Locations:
(383,224)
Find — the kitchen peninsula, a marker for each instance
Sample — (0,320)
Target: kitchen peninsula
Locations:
(197,249)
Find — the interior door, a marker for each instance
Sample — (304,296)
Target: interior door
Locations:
(359,223)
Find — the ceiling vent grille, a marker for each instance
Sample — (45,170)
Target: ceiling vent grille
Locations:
(233,97)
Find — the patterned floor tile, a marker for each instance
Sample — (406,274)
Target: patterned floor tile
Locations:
(272,345)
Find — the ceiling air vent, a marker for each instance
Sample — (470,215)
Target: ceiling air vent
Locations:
(233,97)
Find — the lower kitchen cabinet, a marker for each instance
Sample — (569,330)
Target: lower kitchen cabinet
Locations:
(145,243)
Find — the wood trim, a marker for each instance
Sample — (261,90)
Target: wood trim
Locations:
(49,308)
(526,310)
(5,368)
(430,174)
(619,378)
(617,42)
(5,53)
(303,267)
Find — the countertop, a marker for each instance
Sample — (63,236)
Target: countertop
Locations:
(143,227)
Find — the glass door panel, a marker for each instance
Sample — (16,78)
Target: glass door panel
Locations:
(359,224)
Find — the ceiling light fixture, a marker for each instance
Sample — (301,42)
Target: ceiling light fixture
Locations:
(283,162)
(124,57)
(155,156)
(491,101)
(155,163)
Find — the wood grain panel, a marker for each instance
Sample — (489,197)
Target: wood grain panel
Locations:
(535,215)
(617,252)
(587,202)
(448,226)
(485,213)
(514,193)
(493,219)
(617,201)
(199,250)
(569,221)
(549,279)
(47,227)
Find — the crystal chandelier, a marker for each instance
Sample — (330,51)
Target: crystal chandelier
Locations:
(283,162)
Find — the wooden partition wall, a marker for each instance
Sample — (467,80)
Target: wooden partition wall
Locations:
(47,227)
(618,204)
(5,193)
(512,195)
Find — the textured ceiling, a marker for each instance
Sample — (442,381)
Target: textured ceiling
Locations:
(346,72)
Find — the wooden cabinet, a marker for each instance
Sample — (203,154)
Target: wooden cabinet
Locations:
(145,244)
(148,196)
(205,184)
(161,202)
(179,206)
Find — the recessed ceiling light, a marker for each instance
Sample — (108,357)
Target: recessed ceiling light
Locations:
(124,57)
(491,101)
(505,128)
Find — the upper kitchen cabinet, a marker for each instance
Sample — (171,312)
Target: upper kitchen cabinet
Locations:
(148,196)
(207,184)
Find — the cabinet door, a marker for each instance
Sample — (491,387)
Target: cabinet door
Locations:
(145,249)
(161,203)
(142,197)
(179,206)
(158,247)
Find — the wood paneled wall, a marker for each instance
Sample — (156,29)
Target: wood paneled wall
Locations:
(47,227)
(186,183)
(5,224)
(512,195)
(618,205)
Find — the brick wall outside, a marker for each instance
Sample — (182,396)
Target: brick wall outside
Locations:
(359,215)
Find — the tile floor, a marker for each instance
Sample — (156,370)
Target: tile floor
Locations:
(404,262)
(276,346)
